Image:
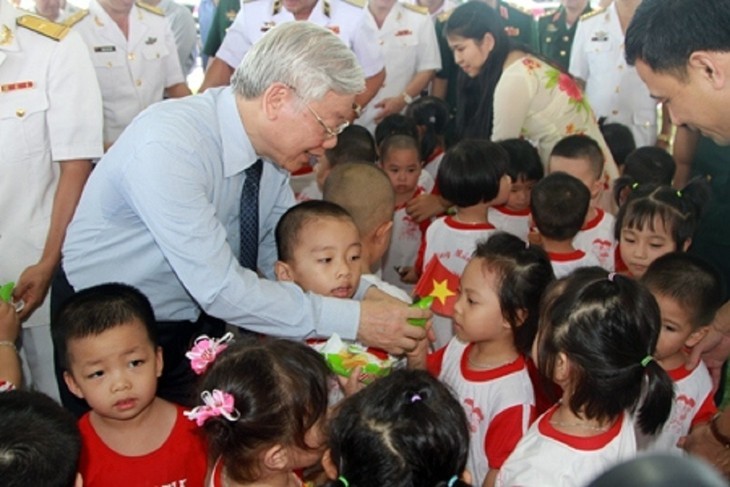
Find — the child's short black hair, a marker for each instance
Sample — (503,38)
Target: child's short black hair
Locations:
(291,223)
(608,326)
(432,115)
(559,204)
(619,139)
(690,281)
(524,160)
(404,430)
(399,142)
(39,441)
(395,124)
(523,272)
(471,172)
(354,144)
(581,147)
(97,309)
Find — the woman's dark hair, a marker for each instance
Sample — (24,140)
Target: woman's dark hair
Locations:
(432,114)
(404,430)
(280,390)
(679,210)
(471,171)
(524,160)
(607,325)
(523,273)
(474,105)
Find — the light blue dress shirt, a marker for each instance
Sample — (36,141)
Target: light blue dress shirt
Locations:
(160,212)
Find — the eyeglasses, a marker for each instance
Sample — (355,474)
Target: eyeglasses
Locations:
(329,131)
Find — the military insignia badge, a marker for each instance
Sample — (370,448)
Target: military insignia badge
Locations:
(231,15)
(268,26)
(600,36)
(150,41)
(20,85)
(551,28)
(6,37)
(512,31)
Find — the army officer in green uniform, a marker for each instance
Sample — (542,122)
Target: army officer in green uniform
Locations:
(555,31)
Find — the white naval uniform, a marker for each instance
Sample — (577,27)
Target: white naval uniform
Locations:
(613,88)
(133,73)
(408,44)
(342,17)
(50,110)
(445,7)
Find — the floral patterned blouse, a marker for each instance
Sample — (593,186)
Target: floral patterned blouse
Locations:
(538,102)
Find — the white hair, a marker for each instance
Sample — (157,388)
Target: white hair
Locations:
(309,58)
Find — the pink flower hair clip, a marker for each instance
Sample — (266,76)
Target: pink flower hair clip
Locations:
(205,350)
(216,403)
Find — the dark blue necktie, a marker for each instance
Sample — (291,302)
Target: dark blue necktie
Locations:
(249,216)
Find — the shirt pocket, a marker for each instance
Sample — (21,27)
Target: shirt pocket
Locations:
(156,50)
(111,68)
(23,124)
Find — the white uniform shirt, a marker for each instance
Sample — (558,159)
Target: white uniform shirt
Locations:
(565,263)
(514,222)
(445,7)
(546,457)
(408,43)
(499,404)
(613,88)
(597,238)
(343,18)
(693,404)
(50,110)
(133,73)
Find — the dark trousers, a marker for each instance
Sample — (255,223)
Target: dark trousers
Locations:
(177,383)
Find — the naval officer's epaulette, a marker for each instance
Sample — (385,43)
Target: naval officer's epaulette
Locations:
(357,3)
(150,8)
(444,16)
(75,18)
(592,13)
(416,8)
(43,26)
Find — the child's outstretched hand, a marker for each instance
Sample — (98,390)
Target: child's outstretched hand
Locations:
(355,383)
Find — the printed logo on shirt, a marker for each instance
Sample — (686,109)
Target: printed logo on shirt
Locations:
(474,414)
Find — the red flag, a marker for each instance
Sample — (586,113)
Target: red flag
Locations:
(441,283)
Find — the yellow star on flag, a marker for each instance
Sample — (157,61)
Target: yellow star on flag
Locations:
(441,291)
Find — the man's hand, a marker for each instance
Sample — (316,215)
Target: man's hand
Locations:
(714,348)
(701,443)
(389,106)
(32,287)
(426,206)
(383,324)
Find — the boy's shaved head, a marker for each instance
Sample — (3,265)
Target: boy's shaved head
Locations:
(364,191)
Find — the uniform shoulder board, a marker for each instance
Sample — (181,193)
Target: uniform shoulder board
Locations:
(416,8)
(592,13)
(444,16)
(75,18)
(519,8)
(43,26)
(150,8)
(548,14)
(357,3)
(248,1)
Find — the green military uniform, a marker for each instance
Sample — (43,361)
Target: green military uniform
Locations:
(555,38)
(224,16)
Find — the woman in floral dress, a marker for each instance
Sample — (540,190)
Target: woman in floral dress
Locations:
(505,92)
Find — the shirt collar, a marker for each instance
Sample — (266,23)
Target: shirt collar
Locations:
(238,153)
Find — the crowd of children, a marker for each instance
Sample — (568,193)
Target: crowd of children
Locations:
(562,355)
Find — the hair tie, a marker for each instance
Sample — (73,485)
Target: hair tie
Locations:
(205,350)
(645,361)
(216,403)
(611,276)
(527,245)
(679,193)
(452,481)
(344,481)
(432,119)
(635,185)
(416,397)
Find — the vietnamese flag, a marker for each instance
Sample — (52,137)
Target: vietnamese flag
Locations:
(441,283)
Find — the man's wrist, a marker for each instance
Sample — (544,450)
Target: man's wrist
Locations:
(718,428)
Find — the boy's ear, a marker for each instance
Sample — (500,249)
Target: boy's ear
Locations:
(686,245)
(596,188)
(276,458)
(382,232)
(283,271)
(159,361)
(696,336)
(72,385)
(328,465)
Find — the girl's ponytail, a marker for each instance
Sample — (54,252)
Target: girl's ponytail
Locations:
(658,397)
